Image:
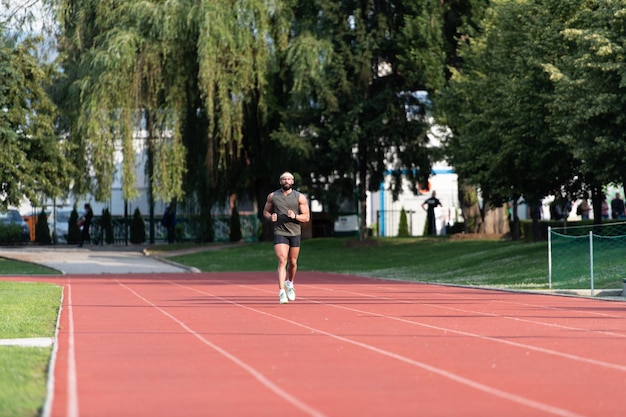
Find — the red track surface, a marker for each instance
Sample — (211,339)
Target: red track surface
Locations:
(220,344)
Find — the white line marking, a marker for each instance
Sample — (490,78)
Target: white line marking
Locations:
(577,358)
(252,371)
(446,374)
(28,342)
(47,406)
(72,382)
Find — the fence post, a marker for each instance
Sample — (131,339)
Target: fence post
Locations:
(591,259)
(550,257)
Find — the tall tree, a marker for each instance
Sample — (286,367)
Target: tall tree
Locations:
(33,162)
(590,105)
(360,114)
(497,103)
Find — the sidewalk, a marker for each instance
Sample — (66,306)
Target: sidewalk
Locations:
(94,259)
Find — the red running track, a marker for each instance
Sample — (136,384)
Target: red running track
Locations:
(221,344)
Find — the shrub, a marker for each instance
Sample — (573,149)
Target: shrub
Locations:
(403,228)
(234,233)
(106,225)
(42,231)
(10,234)
(137,228)
(73,230)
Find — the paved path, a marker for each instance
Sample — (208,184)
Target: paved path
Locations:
(94,260)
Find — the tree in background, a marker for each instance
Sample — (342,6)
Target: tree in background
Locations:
(73,229)
(589,106)
(137,228)
(359,111)
(33,160)
(234,231)
(403,227)
(496,106)
(106,225)
(42,231)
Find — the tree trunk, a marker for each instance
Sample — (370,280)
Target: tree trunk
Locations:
(496,220)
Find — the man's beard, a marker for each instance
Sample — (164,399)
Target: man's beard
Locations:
(286,187)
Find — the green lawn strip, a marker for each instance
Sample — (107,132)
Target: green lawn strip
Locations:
(23,378)
(14,267)
(439,260)
(27,310)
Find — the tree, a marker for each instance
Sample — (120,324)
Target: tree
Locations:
(42,231)
(33,160)
(363,62)
(106,224)
(234,231)
(73,230)
(496,106)
(590,104)
(137,228)
(403,227)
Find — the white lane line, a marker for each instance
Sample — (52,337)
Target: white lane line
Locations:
(576,358)
(72,381)
(28,342)
(442,372)
(281,392)
(47,406)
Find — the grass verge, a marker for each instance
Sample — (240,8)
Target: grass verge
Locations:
(26,310)
(14,267)
(438,260)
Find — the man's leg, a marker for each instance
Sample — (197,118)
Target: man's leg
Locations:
(293,262)
(282,252)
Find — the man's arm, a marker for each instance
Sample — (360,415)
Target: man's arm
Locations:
(268,210)
(303,207)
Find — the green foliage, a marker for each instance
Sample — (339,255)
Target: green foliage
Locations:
(33,157)
(137,228)
(106,224)
(496,106)
(42,231)
(403,227)
(10,234)
(234,233)
(73,230)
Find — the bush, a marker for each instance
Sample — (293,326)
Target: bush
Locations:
(10,234)
(234,233)
(73,230)
(42,231)
(403,228)
(137,228)
(106,225)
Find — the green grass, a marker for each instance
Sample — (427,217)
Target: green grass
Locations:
(437,260)
(14,267)
(26,310)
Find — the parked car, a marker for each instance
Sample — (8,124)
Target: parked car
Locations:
(12,216)
(59,225)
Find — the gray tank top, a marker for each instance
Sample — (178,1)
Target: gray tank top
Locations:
(285,226)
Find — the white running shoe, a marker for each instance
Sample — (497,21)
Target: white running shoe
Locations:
(291,291)
(282,296)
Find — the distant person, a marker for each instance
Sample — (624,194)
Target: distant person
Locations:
(617,207)
(605,208)
(85,223)
(583,209)
(287,209)
(169,222)
(429,205)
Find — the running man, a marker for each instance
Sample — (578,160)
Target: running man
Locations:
(287,209)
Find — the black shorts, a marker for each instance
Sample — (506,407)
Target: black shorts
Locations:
(292,241)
